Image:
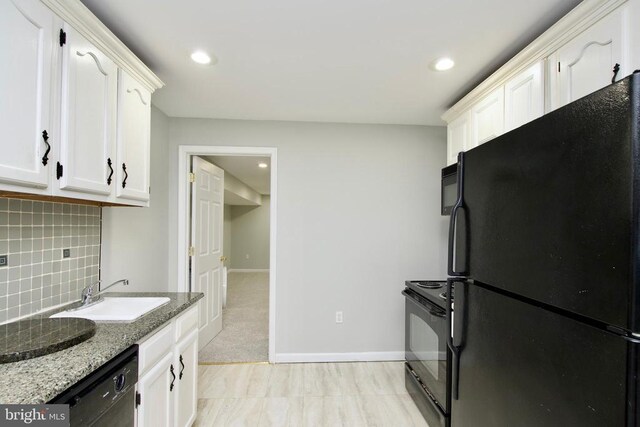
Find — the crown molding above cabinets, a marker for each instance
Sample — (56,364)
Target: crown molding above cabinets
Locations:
(79,17)
(79,123)
(574,57)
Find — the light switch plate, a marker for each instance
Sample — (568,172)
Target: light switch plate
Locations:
(4,260)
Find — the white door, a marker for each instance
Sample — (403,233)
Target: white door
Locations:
(207,203)
(585,64)
(187,393)
(26,56)
(524,97)
(133,143)
(89,88)
(156,394)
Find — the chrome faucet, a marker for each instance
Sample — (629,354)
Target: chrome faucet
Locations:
(88,297)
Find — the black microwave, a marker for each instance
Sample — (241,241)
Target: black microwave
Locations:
(449,193)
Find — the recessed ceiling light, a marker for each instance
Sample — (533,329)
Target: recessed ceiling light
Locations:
(202,58)
(442,64)
(262,165)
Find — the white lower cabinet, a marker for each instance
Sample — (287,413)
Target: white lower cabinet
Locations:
(156,398)
(186,358)
(168,374)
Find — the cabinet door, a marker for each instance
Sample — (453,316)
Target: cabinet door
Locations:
(26,55)
(186,400)
(487,118)
(89,86)
(524,97)
(133,144)
(585,64)
(457,137)
(156,396)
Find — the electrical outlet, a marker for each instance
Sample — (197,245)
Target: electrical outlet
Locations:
(247,256)
(66,253)
(338,317)
(4,260)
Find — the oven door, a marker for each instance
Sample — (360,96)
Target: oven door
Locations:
(426,349)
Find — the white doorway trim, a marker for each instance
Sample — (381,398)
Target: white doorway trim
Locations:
(184,156)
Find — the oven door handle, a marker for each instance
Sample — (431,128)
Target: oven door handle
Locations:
(455,350)
(426,308)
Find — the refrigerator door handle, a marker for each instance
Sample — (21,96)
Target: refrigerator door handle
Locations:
(453,218)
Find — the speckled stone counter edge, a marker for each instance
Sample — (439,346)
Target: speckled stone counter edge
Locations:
(41,379)
(48,348)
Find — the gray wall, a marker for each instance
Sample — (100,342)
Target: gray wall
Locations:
(33,235)
(135,240)
(250,236)
(226,236)
(358,213)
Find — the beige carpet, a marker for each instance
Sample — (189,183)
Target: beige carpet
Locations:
(245,322)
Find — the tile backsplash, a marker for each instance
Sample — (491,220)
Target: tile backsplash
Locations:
(34,236)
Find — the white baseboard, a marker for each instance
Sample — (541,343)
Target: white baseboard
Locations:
(375,356)
(247,270)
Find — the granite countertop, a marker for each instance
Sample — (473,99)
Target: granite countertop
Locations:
(40,379)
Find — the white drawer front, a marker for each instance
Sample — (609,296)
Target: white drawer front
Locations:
(155,348)
(186,323)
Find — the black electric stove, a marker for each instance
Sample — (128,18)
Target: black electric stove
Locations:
(433,290)
(428,359)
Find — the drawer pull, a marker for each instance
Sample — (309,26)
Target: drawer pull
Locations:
(181,368)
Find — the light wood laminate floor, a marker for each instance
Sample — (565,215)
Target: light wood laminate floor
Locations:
(306,394)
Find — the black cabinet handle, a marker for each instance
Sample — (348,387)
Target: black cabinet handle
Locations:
(174,378)
(111,169)
(616,69)
(126,175)
(181,368)
(45,158)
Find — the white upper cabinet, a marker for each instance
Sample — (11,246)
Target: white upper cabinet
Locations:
(26,55)
(458,137)
(133,143)
(573,58)
(88,113)
(524,97)
(76,117)
(585,64)
(487,118)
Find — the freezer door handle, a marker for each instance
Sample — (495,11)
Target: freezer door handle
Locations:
(453,219)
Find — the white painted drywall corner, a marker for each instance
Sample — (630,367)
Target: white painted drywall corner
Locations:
(134,240)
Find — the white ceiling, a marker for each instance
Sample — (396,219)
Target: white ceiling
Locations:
(246,169)
(357,61)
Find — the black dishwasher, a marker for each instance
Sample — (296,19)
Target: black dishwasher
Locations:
(106,397)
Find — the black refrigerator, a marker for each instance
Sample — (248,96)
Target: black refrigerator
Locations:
(544,263)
